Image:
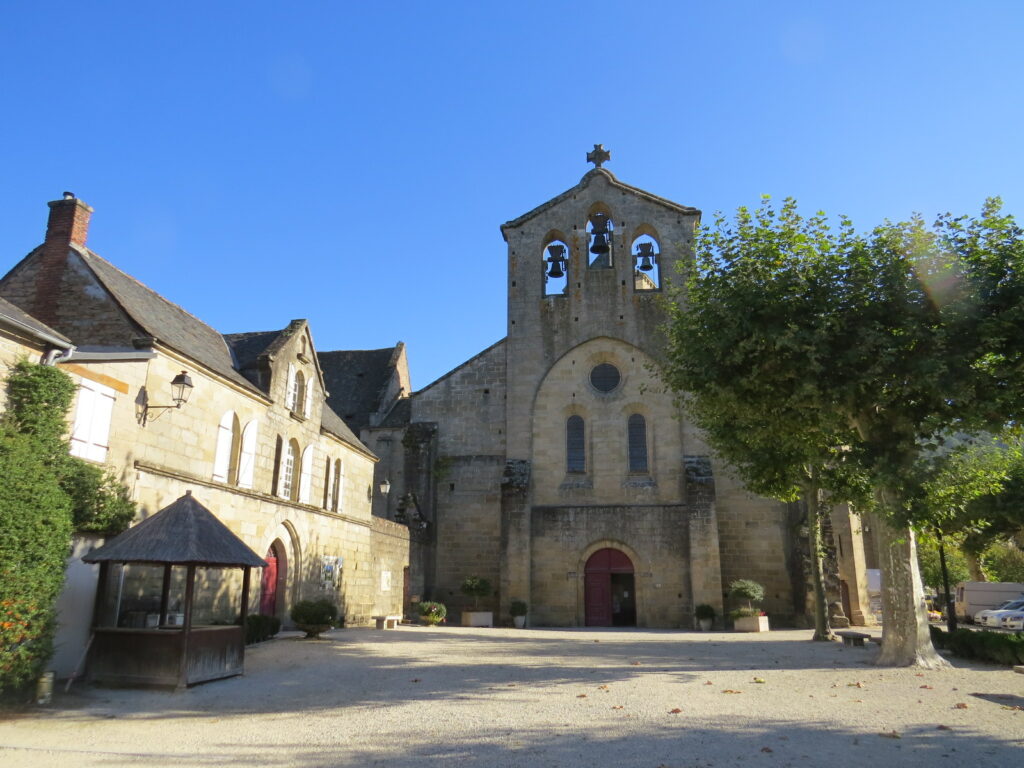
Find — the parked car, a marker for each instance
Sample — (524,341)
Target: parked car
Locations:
(1014,620)
(993,617)
(974,596)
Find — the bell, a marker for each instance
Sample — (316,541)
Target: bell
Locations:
(556,259)
(599,229)
(645,255)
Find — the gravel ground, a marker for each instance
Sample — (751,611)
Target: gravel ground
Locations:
(497,697)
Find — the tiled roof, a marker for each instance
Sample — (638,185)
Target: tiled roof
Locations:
(356,381)
(400,414)
(14,317)
(164,321)
(333,423)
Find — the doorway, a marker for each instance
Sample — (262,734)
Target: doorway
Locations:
(609,590)
(272,576)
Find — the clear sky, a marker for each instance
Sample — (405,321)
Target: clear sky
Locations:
(351,163)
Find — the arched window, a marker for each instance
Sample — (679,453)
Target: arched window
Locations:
(646,264)
(290,392)
(599,242)
(247,460)
(339,484)
(306,476)
(275,488)
(299,402)
(307,402)
(575,447)
(555,263)
(287,488)
(328,485)
(225,460)
(637,444)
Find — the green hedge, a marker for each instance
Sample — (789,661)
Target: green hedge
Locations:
(259,627)
(997,647)
(315,612)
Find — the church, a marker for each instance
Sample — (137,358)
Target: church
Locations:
(556,465)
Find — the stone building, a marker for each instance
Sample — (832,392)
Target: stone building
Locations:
(556,465)
(256,441)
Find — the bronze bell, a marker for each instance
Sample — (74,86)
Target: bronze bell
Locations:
(645,255)
(599,229)
(556,259)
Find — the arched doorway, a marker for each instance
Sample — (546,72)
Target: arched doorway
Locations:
(273,575)
(609,590)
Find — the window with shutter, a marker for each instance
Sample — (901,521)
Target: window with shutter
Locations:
(306,476)
(307,403)
(247,460)
(575,450)
(287,485)
(226,439)
(339,484)
(637,433)
(328,486)
(89,436)
(290,395)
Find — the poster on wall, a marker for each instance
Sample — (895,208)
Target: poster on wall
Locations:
(385,581)
(330,571)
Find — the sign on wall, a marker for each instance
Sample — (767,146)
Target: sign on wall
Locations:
(330,571)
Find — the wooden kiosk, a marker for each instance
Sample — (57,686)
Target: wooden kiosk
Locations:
(187,534)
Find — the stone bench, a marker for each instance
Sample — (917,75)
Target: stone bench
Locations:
(854,638)
(387,622)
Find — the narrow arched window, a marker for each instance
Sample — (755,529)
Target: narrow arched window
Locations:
(339,484)
(247,459)
(646,264)
(287,487)
(637,445)
(328,485)
(575,447)
(299,402)
(275,488)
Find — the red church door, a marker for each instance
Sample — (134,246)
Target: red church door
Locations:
(609,596)
(268,585)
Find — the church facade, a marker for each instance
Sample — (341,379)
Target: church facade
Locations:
(556,465)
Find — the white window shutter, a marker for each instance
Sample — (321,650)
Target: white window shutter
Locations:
(306,476)
(339,485)
(91,431)
(247,461)
(291,392)
(307,404)
(222,458)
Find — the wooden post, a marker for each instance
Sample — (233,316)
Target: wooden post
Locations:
(101,593)
(165,594)
(186,629)
(245,593)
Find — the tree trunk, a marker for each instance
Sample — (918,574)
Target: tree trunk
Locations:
(822,630)
(974,565)
(946,602)
(906,639)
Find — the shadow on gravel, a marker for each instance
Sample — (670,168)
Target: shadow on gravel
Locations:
(676,744)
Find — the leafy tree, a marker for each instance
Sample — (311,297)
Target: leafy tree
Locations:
(873,347)
(931,569)
(1005,560)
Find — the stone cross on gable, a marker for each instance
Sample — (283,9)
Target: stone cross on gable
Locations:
(599,155)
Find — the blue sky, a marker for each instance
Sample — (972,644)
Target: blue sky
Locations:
(352,163)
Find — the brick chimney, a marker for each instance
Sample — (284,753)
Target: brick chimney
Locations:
(68,223)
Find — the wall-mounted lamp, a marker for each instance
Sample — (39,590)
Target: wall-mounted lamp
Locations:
(385,487)
(181,390)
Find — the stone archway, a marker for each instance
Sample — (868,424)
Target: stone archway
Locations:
(609,589)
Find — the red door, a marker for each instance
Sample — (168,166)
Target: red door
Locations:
(608,590)
(268,585)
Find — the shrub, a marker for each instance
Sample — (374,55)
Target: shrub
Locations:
(704,611)
(431,612)
(99,502)
(748,590)
(476,588)
(259,627)
(518,608)
(314,612)
(997,647)
(742,613)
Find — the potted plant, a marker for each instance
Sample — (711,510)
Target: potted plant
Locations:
(432,613)
(518,610)
(748,619)
(314,616)
(705,615)
(476,588)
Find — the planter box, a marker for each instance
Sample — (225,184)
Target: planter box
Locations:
(519,621)
(478,618)
(751,624)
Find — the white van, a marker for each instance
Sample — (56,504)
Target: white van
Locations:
(974,596)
